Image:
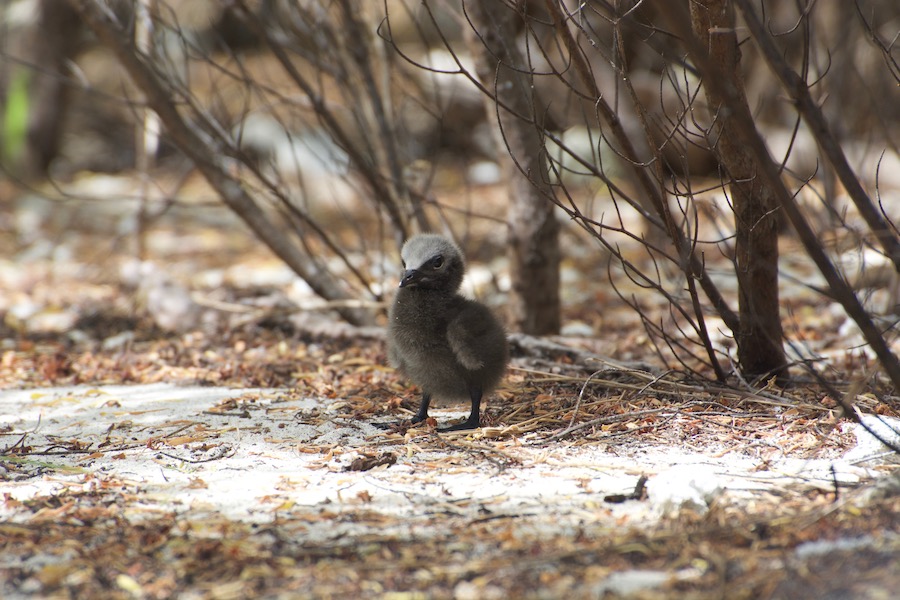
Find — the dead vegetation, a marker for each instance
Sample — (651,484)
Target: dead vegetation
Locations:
(142,278)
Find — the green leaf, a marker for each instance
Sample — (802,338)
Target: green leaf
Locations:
(15,117)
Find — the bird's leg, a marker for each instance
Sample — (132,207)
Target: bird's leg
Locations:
(422,413)
(474,420)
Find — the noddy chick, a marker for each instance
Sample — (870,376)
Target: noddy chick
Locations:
(448,345)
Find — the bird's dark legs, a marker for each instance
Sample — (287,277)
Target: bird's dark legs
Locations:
(474,420)
(422,414)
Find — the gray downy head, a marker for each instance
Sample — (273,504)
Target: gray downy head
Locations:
(431,261)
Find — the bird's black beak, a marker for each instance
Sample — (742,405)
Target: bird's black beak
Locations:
(410,277)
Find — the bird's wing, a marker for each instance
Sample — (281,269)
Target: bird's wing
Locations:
(466,334)
(394,358)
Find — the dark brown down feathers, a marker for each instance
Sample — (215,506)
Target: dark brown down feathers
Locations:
(449,346)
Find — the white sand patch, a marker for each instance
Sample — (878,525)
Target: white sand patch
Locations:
(257,454)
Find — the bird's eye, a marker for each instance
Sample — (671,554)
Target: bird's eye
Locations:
(437,262)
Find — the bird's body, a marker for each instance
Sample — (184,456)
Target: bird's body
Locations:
(422,348)
(448,345)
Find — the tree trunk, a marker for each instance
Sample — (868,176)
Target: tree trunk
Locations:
(759,338)
(49,42)
(533,234)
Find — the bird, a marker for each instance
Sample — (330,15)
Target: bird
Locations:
(451,347)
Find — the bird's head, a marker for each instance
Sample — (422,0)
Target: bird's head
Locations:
(431,261)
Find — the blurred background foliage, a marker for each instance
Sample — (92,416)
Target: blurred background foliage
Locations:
(140,137)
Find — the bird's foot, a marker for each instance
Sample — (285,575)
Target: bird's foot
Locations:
(470,423)
(390,425)
(403,426)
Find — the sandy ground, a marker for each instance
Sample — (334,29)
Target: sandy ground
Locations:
(264,455)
